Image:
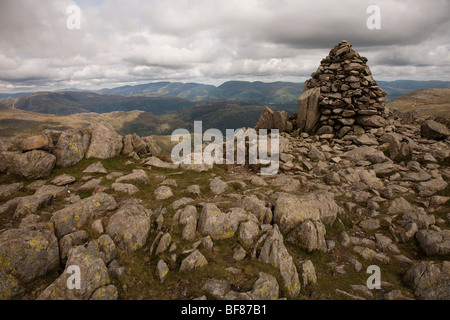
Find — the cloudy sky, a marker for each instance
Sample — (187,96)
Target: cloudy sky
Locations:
(212,41)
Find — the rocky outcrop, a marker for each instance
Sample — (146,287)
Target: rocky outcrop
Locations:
(429,280)
(105,142)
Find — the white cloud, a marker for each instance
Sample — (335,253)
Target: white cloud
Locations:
(212,41)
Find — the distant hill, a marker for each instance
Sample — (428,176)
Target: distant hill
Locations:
(398,88)
(426,102)
(64,103)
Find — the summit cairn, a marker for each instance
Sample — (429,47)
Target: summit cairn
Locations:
(341,95)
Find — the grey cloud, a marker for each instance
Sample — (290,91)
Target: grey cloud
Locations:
(210,41)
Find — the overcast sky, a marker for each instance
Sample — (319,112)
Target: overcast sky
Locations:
(212,41)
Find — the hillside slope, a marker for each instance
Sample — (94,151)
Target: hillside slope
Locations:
(426,102)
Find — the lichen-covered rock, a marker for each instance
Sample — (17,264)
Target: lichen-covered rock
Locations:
(257,207)
(26,253)
(108,292)
(164,243)
(291,210)
(308,273)
(73,217)
(105,142)
(129,227)
(69,241)
(193,261)
(162,270)
(434,242)
(429,280)
(309,236)
(93,275)
(275,253)
(217,224)
(217,288)
(248,232)
(31,204)
(69,149)
(104,248)
(35,164)
(188,218)
(265,288)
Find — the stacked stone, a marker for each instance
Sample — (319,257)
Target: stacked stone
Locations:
(341,94)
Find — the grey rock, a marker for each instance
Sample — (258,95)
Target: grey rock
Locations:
(193,261)
(138,175)
(93,272)
(69,150)
(163,193)
(129,227)
(96,167)
(429,280)
(63,180)
(32,165)
(127,188)
(7,190)
(434,130)
(73,217)
(275,253)
(257,207)
(218,186)
(434,242)
(217,224)
(308,109)
(309,236)
(162,270)
(265,288)
(105,142)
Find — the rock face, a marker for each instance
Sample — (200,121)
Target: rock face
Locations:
(105,142)
(341,93)
(32,165)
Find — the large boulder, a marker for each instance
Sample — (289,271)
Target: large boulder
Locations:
(129,227)
(93,275)
(219,225)
(308,113)
(291,210)
(275,253)
(35,164)
(105,142)
(69,150)
(73,217)
(26,253)
(429,280)
(434,130)
(309,236)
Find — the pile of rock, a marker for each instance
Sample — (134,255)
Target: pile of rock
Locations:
(35,157)
(340,95)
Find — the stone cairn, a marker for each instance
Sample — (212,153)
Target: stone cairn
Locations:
(341,98)
(340,94)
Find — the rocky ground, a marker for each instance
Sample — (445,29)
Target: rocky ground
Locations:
(142,228)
